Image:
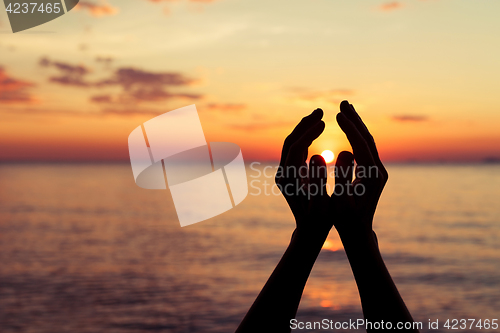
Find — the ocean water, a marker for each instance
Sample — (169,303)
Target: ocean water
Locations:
(83,249)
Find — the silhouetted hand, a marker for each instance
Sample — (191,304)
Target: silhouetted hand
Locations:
(303,187)
(350,208)
(353,219)
(352,205)
(355,201)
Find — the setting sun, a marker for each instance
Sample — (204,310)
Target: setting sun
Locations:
(327,155)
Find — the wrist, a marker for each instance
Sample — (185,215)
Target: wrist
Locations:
(366,239)
(309,236)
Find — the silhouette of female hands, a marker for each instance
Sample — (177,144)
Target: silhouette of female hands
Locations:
(350,209)
(355,201)
(303,187)
(352,205)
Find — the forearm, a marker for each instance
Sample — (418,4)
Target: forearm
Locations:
(379,295)
(279,299)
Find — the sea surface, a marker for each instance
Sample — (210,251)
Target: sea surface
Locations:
(83,249)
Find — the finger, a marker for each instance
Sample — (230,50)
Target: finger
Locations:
(317,176)
(297,154)
(344,168)
(362,153)
(305,124)
(351,114)
(343,181)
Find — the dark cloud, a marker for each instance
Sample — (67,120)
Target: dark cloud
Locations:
(410,118)
(141,86)
(142,95)
(69,75)
(130,78)
(137,85)
(157,94)
(13,90)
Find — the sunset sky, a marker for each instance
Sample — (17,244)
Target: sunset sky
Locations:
(423,74)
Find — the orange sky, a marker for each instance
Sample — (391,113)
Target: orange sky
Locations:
(423,74)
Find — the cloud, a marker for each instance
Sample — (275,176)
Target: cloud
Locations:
(122,90)
(140,85)
(157,94)
(130,78)
(226,108)
(389,6)
(331,97)
(69,75)
(97,10)
(13,90)
(410,118)
(137,85)
(142,95)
